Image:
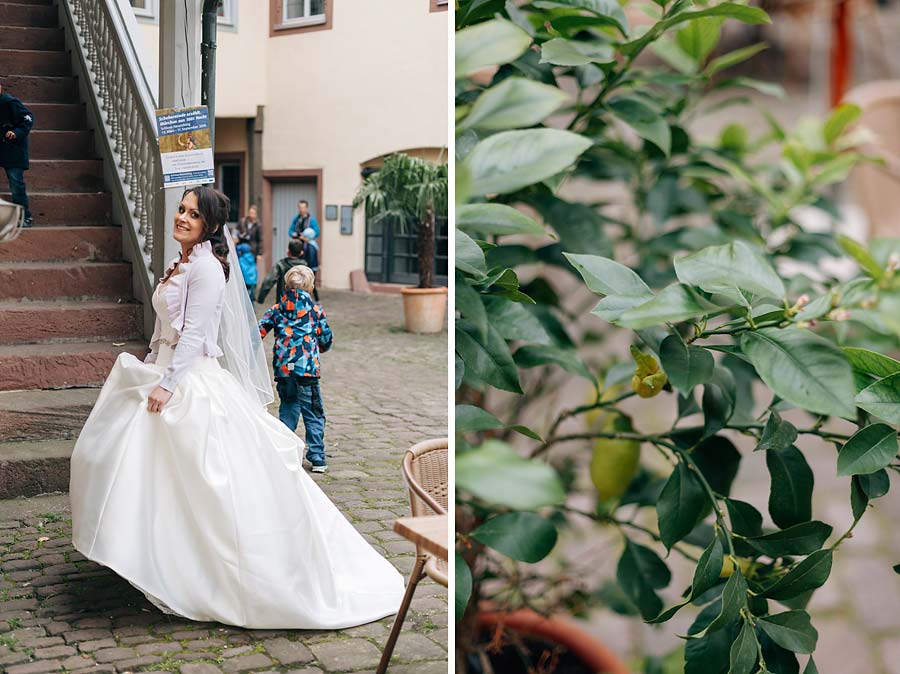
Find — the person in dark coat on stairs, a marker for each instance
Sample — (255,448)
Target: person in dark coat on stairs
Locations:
(15,124)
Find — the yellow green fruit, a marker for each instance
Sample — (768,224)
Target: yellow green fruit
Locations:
(648,379)
(728,566)
(614,464)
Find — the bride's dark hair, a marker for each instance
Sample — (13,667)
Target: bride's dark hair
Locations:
(213,207)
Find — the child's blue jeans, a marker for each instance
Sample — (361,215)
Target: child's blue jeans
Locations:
(300,396)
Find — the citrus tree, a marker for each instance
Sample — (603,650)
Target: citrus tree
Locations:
(708,293)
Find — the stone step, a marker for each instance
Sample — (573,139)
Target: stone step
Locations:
(28,14)
(64,280)
(28,416)
(33,62)
(34,468)
(18,37)
(41,88)
(69,208)
(61,145)
(56,322)
(64,175)
(51,366)
(61,243)
(58,117)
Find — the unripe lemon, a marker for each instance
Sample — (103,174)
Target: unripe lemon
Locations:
(728,566)
(614,462)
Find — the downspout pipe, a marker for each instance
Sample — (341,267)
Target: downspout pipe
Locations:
(208,63)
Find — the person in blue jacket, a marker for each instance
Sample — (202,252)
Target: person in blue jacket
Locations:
(303,220)
(247,260)
(15,123)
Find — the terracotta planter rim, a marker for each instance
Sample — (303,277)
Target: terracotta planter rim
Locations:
(558,629)
(412,290)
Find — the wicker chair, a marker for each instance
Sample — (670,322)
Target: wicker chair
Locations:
(425,472)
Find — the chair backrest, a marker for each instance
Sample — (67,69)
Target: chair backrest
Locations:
(875,188)
(425,472)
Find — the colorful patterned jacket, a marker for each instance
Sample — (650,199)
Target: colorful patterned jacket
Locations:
(301,332)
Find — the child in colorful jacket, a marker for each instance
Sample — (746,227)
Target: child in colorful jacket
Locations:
(301,334)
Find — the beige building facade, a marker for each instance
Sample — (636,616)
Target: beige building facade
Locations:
(311,94)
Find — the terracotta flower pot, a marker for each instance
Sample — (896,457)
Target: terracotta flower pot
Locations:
(424,309)
(593,654)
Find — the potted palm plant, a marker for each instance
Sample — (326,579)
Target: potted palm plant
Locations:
(411,192)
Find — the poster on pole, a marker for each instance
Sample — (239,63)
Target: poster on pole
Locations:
(184,144)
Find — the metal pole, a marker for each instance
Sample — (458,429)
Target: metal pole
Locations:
(208,63)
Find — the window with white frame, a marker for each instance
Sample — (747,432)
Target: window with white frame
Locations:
(144,8)
(227,12)
(302,12)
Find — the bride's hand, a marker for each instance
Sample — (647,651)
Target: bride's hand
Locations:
(158,399)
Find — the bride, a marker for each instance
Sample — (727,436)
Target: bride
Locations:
(183,483)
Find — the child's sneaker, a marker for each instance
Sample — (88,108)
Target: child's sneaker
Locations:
(319,467)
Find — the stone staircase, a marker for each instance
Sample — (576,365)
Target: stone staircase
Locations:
(66,303)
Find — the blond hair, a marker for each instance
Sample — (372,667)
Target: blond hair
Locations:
(300,277)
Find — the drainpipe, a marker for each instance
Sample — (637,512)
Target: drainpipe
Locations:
(208,63)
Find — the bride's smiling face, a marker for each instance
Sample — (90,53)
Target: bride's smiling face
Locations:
(188,228)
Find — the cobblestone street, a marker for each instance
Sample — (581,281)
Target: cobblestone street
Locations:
(383,390)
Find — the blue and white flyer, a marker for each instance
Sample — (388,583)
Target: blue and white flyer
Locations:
(184,145)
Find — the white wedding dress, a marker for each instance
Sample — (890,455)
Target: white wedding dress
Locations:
(206,509)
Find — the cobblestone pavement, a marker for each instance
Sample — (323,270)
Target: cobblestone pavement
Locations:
(383,391)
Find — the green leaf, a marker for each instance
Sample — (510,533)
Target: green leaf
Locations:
(463,586)
(496,219)
(800,539)
(811,667)
(875,485)
(838,121)
(681,506)
(809,574)
(673,304)
(470,306)
(640,571)
(514,103)
(859,501)
(644,120)
(497,474)
(790,497)
(562,52)
(718,460)
(459,371)
(719,397)
(862,256)
(488,44)
(469,256)
(525,537)
(803,368)
(778,660)
(700,37)
(709,568)
(488,360)
(513,321)
(744,651)
(870,362)
(870,449)
(533,356)
(734,598)
(608,10)
(608,277)
(686,365)
(734,270)
(791,630)
(777,434)
(471,419)
(733,58)
(745,519)
(710,654)
(882,398)
(511,160)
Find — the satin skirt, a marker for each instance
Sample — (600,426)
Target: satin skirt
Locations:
(207,510)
